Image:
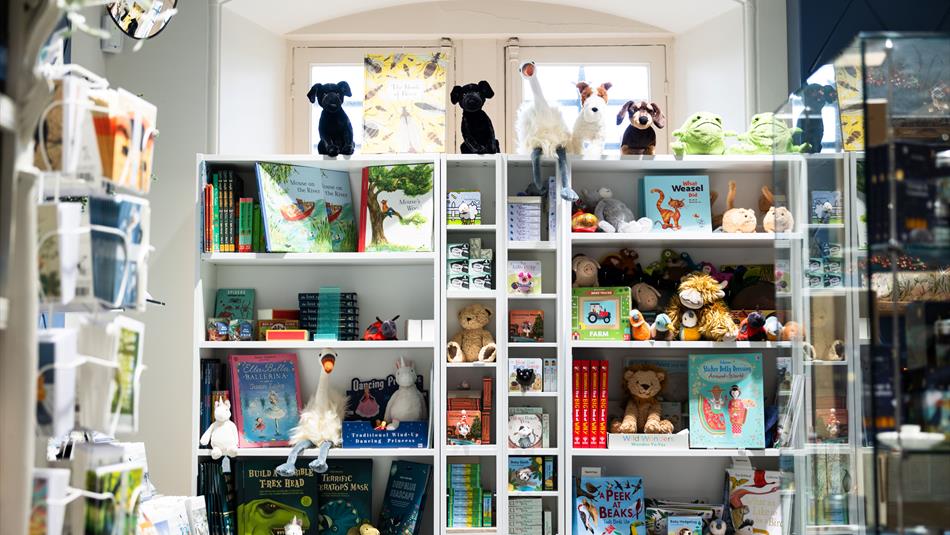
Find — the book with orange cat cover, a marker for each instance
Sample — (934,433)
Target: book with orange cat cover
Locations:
(677,203)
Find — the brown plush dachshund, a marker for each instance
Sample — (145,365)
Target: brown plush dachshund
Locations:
(640,137)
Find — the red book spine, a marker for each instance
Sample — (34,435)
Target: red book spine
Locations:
(604,393)
(575,390)
(594,416)
(487,386)
(585,404)
(364,211)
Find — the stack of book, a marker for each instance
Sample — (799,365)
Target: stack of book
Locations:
(464,407)
(330,314)
(232,222)
(590,403)
(217,487)
(469,506)
(214,386)
(526,517)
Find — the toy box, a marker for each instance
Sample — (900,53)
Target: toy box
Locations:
(525,326)
(457,251)
(463,207)
(524,218)
(524,276)
(600,313)
(533,380)
(676,203)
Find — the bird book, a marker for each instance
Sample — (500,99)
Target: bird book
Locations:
(293,208)
(600,313)
(609,505)
(726,408)
(397,208)
(677,203)
(753,501)
(267,501)
(346,495)
(405,498)
(265,398)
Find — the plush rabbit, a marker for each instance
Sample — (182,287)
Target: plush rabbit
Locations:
(407,403)
(222,434)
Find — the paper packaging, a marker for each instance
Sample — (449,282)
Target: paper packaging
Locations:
(414,330)
(524,218)
(459,282)
(457,251)
(479,266)
(428,329)
(457,267)
(550,375)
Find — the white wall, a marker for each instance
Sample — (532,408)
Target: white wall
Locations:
(253,88)
(709,71)
(771,46)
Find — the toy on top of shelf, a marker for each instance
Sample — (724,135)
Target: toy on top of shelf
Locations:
(473,342)
(701,294)
(767,135)
(478,134)
(639,328)
(660,330)
(647,297)
(583,222)
(222,434)
(542,131)
(336,132)
(737,219)
(381,330)
(584,271)
(365,528)
(702,133)
(689,327)
(642,411)
(589,127)
(811,126)
(615,216)
(321,422)
(773,329)
(640,136)
(406,404)
(752,328)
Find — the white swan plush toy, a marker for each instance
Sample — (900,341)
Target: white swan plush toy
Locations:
(321,422)
(406,404)
(543,132)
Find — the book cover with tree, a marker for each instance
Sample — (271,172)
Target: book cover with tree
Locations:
(293,208)
(397,208)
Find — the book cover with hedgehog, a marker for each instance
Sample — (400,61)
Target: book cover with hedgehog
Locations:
(677,203)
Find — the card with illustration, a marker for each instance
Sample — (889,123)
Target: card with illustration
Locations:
(726,407)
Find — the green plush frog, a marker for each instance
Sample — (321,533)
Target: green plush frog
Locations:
(768,135)
(702,133)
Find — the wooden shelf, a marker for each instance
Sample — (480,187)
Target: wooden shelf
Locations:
(318,345)
(614,344)
(341,453)
(326,259)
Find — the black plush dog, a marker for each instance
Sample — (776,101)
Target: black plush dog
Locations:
(336,132)
(640,137)
(814,97)
(477,130)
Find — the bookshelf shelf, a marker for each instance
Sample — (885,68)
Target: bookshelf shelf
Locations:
(478,450)
(308,259)
(673,452)
(470,294)
(339,453)
(531,297)
(677,240)
(533,394)
(613,344)
(526,345)
(452,229)
(475,365)
(532,493)
(532,246)
(532,451)
(388,345)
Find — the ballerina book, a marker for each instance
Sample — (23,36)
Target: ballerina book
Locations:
(677,203)
(726,401)
(266,394)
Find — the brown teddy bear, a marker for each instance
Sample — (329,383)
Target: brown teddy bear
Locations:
(701,293)
(642,414)
(473,342)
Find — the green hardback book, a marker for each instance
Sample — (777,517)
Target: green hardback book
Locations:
(256,230)
(346,495)
(266,501)
(234,303)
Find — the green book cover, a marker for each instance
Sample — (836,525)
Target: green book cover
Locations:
(267,502)
(293,209)
(600,313)
(215,214)
(397,208)
(234,303)
(256,229)
(338,198)
(346,495)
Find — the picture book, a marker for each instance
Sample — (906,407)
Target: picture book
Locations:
(293,208)
(463,207)
(525,431)
(753,501)
(130,346)
(265,398)
(544,417)
(346,495)
(726,402)
(600,313)
(677,203)
(341,214)
(404,104)
(684,525)
(367,399)
(525,473)
(396,207)
(610,505)
(56,389)
(234,303)
(404,501)
(525,374)
(827,207)
(118,264)
(525,326)
(267,501)
(524,276)
(463,427)
(119,517)
(676,386)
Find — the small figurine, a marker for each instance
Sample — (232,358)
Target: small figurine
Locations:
(773,329)
(222,434)
(660,330)
(381,330)
(689,326)
(407,403)
(583,222)
(639,329)
(295,527)
(365,528)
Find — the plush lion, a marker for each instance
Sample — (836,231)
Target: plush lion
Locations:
(701,292)
(642,414)
(473,342)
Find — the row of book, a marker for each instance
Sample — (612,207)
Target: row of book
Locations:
(528,516)
(468,416)
(590,403)
(468,504)
(232,222)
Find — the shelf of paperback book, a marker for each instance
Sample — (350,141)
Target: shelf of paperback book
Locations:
(307,259)
(765,240)
(674,452)
(338,453)
(317,345)
(475,450)
(655,344)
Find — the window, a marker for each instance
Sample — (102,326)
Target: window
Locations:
(352,74)
(559,81)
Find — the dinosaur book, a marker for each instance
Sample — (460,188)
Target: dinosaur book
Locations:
(677,203)
(266,501)
(346,495)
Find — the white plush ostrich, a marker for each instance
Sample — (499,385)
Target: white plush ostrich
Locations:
(321,422)
(590,127)
(542,131)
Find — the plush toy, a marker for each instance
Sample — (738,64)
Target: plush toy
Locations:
(702,133)
(640,136)
(811,125)
(835,352)
(778,219)
(737,219)
(645,296)
(792,332)
(542,131)
(590,130)
(222,434)
(610,273)
(711,270)
(757,295)
(689,327)
(478,134)
(365,528)
(336,132)
(295,527)
(703,295)
(473,342)
(614,216)
(407,403)
(381,330)
(320,423)
(639,328)
(717,527)
(524,282)
(660,330)
(584,269)
(773,329)
(524,378)
(767,135)
(752,328)
(765,199)
(642,413)
(583,222)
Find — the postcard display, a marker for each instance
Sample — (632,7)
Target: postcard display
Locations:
(523,443)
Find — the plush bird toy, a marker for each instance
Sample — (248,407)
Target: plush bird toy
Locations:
(321,422)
